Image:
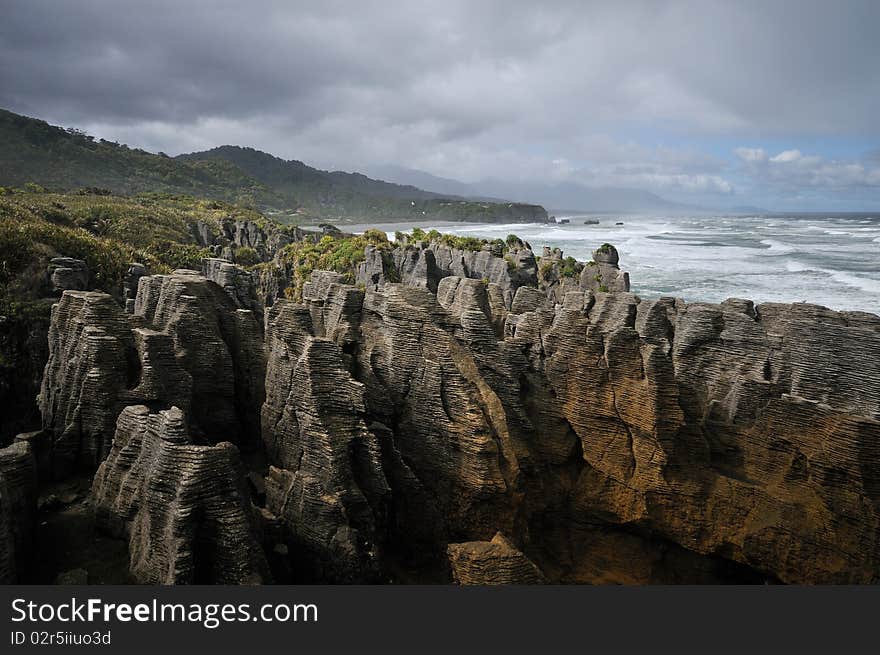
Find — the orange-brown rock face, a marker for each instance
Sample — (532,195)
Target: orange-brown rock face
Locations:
(620,440)
(494,562)
(716,428)
(405,426)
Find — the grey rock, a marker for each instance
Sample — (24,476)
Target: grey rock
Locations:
(68,273)
(184,508)
(18,510)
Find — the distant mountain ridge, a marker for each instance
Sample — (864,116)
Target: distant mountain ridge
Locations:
(568,196)
(31,150)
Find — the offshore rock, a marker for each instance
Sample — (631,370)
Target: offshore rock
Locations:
(493,562)
(183,507)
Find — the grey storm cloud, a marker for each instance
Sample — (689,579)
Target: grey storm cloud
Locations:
(614,93)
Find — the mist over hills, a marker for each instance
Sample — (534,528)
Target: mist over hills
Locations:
(563,196)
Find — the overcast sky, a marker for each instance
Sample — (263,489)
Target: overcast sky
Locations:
(769,103)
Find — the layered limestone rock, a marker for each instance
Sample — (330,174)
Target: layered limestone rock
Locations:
(605,274)
(495,562)
(424,264)
(18,511)
(188,343)
(230,234)
(237,282)
(18,514)
(406,425)
(90,370)
(132,279)
(716,427)
(184,508)
(327,486)
(673,436)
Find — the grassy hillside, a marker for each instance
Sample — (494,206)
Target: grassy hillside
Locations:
(107,232)
(32,151)
(341,195)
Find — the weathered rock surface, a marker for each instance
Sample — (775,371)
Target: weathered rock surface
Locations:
(18,511)
(493,562)
(329,487)
(606,274)
(237,282)
(405,425)
(132,279)
(264,238)
(188,344)
(709,428)
(68,273)
(183,507)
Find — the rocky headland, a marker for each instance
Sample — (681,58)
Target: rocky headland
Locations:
(448,411)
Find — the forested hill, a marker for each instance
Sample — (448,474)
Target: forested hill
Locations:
(62,159)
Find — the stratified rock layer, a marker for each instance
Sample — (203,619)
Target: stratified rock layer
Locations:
(610,438)
(183,507)
(189,343)
(729,432)
(329,487)
(18,511)
(495,562)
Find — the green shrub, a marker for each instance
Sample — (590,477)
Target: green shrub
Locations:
(570,267)
(246,256)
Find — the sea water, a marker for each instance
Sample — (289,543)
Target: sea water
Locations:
(830,260)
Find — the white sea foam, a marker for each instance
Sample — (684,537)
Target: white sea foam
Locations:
(828,261)
(777,247)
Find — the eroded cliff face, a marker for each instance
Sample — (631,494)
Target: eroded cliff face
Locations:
(189,343)
(18,511)
(183,507)
(711,428)
(480,431)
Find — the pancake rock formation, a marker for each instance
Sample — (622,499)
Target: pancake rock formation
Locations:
(189,342)
(18,510)
(183,507)
(482,420)
(493,562)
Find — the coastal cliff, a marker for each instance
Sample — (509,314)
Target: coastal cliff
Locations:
(443,414)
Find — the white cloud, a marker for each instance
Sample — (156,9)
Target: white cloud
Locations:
(786,156)
(793,171)
(751,154)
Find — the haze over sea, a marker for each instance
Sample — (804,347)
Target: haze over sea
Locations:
(827,259)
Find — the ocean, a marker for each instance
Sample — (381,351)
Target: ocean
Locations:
(827,259)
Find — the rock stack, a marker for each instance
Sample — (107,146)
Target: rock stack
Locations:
(184,508)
